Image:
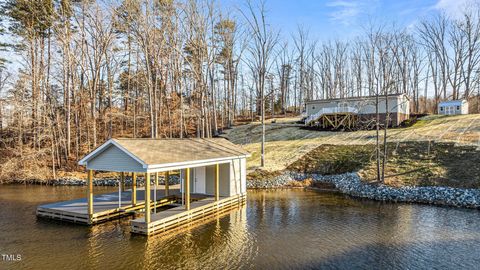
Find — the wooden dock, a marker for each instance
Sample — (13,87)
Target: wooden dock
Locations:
(175,217)
(105,206)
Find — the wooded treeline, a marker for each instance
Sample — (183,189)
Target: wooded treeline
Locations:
(85,70)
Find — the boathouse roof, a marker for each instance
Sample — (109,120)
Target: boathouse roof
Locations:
(150,155)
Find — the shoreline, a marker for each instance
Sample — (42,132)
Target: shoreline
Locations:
(352,185)
(99,182)
(349,184)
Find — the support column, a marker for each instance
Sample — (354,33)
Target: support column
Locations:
(90,196)
(187,189)
(134,188)
(217,177)
(147,198)
(167,178)
(119,194)
(155,193)
(122,181)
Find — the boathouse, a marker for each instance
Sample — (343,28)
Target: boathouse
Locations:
(212,176)
(356,112)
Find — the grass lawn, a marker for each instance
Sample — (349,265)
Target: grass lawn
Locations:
(287,142)
(413,163)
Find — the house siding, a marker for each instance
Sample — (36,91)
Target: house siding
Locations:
(237,186)
(225,180)
(454,107)
(398,107)
(115,160)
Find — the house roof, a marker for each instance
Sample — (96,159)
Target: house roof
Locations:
(452,102)
(355,98)
(157,153)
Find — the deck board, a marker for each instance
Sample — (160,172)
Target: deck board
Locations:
(175,210)
(177,217)
(105,202)
(105,206)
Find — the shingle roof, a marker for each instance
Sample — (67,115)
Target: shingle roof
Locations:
(162,151)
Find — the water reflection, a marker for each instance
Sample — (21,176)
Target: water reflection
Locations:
(276,229)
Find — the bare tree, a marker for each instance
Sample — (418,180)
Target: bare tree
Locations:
(261,50)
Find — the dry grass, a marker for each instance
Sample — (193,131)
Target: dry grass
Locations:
(286,141)
(262,174)
(412,163)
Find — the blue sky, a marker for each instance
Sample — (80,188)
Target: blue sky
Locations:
(344,19)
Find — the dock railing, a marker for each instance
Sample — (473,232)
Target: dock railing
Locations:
(333,110)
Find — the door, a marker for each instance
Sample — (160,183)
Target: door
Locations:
(199,185)
(450,110)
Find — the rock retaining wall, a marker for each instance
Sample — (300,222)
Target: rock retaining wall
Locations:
(351,184)
(174,179)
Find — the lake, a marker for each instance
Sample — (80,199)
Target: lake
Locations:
(276,229)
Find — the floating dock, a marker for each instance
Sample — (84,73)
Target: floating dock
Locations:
(108,207)
(105,206)
(173,218)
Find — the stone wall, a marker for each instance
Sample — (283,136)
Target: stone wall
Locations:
(351,184)
(174,179)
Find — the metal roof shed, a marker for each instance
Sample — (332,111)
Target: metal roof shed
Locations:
(453,107)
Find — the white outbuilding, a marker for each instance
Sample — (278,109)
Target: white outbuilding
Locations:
(453,107)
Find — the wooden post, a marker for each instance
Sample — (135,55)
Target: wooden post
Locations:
(187,189)
(122,181)
(217,176)
(90,196)
(167,178)
(147,198)
(155,193)
(120,193)
(134,188)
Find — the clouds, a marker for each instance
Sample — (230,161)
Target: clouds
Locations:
(347,12)
(454,8)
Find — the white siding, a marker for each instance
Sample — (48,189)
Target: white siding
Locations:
(399,104)
(225,180)
(238,177)
(234,174)
(115,160)
(243,176)
(465,108)
(232,179)
(210,181)
(453,107)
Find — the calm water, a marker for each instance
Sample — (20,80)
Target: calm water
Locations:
(276,230)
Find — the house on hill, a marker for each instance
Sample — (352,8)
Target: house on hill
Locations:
(348,113)
(453,107)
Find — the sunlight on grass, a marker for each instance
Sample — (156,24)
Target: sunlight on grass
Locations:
(287,142)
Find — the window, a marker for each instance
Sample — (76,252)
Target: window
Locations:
(313,107)
(458,108)
(441,109)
